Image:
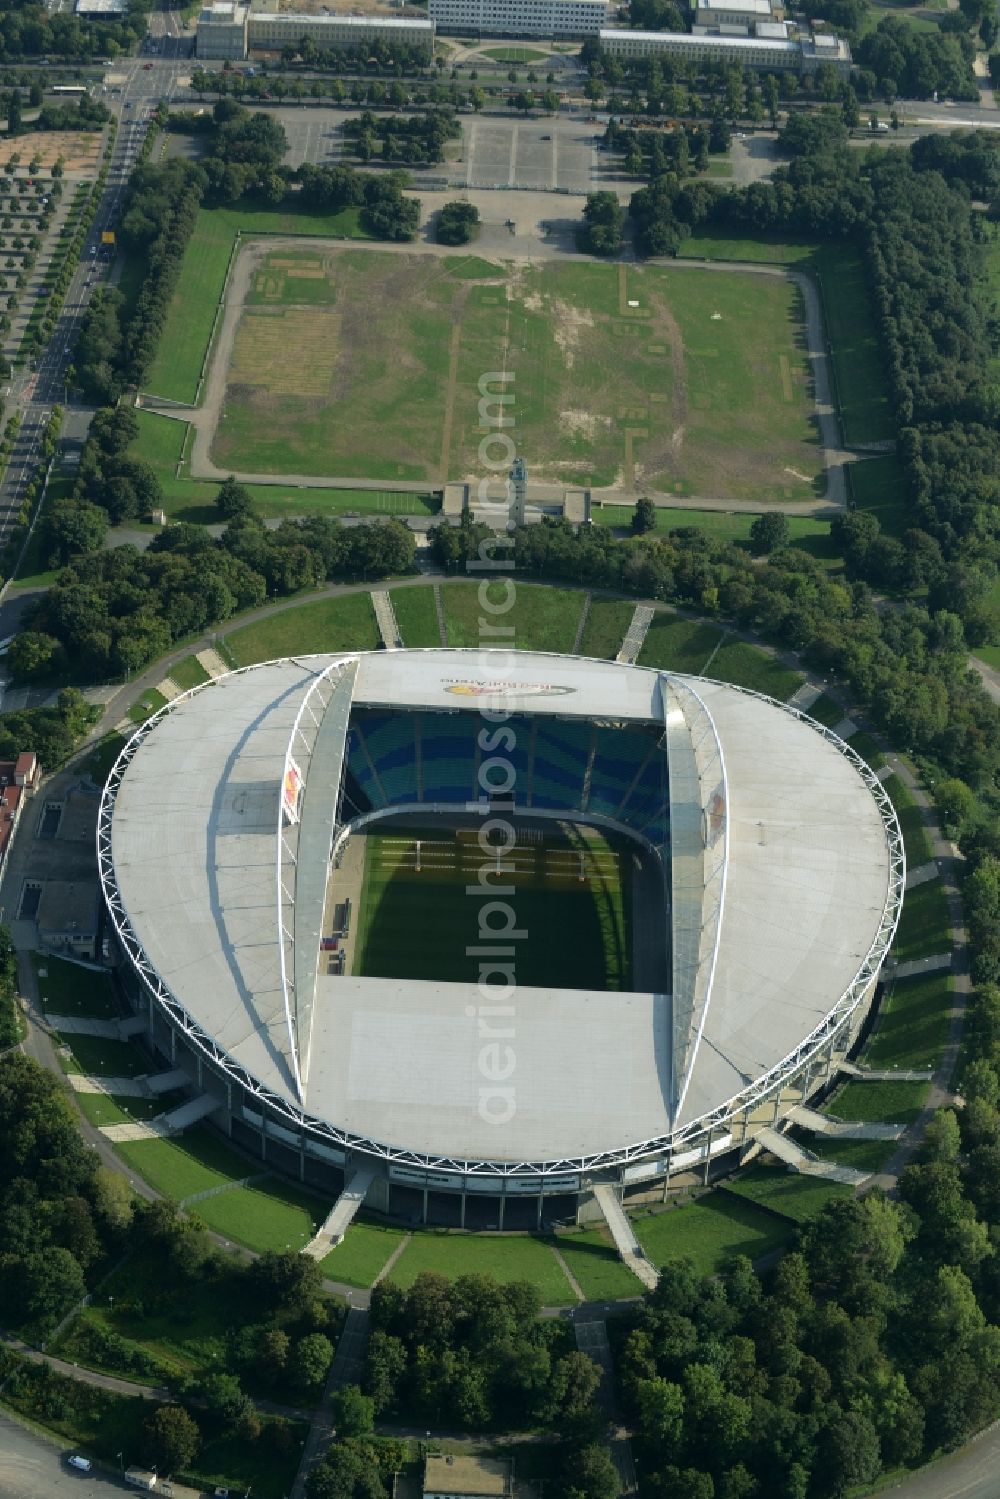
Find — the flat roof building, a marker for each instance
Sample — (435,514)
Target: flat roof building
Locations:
(520,18)
(222,32)
(101,10)
(765,53)
(269,29)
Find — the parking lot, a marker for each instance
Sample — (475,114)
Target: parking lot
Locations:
(538,155)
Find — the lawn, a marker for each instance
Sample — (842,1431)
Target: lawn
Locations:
(806,532)
(100,1109)
(925,925)
(162,439)
(869,1156)
(747,666)
(879,1103)
(868,749)
(151,702)
(605,629)
(190,317)
(709,1232)
(913,1023)
(505,1257)
(95,1057)
(361,1255)
(540,619)
(416,616)
(879,486)
(99,763)
(783,1191)
(594,1264)
(862,390)
(676,644)
(911,821)
(346,623)
(188,673)
(67,989)
(271,1215)
(191,1163)
(416,921)
(623,374)
(824,710)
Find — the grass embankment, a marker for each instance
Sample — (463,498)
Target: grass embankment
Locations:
(343,623)
(541,618)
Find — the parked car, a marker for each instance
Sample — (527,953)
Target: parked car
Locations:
(82,1464)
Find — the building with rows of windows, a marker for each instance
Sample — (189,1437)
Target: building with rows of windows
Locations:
(779,54)
(520,18)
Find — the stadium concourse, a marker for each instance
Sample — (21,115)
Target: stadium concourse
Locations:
(496,939)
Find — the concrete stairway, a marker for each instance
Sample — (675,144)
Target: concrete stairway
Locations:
(886,1074)
(806,1163)
(843,1129)
(636,633)
(166,1082)
(385,618)
(342,1215)
(622,1232)
(588,599)
(113,1087)
(190,1113)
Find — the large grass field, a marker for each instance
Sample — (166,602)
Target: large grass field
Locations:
(879,1103)
(746,665)
(862,391)
(416,921)
(270,1215)
(913,1024)
(504,1256)
(605,628)
(540,618)
(193,1162)
(710,1232)
(164,443)
(657,394)
(191,315)
(806,532)
(677,644)
(334,624)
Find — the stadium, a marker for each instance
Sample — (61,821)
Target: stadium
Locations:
(495,939)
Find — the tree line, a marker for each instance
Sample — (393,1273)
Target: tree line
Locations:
(30,30)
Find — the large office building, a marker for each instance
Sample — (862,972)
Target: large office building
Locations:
(229,31)
(763,52)
(520,18)
(767,873)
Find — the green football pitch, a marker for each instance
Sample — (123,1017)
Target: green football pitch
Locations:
(571,896)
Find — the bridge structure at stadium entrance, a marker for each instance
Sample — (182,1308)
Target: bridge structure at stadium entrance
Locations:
(780,873)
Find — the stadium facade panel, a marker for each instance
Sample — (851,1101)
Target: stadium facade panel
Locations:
(773,874)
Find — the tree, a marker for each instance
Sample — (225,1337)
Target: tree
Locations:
(47,1284)
(171,1438)
(72,527)
(457,223)
(643,517)
(353,1412)
(34,654)
(769,532)
(589,1473)
(233,499)
(312,1359)
(286,1281)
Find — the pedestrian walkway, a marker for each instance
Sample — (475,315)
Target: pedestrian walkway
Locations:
(636,633)
(628,1246)
(843,1129)
(168,688)
(85,1025)
(114,1087)
(806,1163)
(845,729)
(922,875)
(385,618)
(439,611)
(588,599)
(212,662)
(149,1129)
(804,697)
(166,1082)
(342,1215)
(592,1340)
(919,966)
(886,1074)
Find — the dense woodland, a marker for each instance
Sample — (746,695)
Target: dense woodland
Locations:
(28,30)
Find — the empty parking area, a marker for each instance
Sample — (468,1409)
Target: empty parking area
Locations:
(517,153)
(313,134)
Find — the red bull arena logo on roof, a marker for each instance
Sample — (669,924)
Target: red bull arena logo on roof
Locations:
(506,689)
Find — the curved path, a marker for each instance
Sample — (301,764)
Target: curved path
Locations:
(204,417)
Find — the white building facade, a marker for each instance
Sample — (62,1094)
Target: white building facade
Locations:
(766,54)
(228,31)
(520,18)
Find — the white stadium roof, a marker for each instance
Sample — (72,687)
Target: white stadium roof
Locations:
(786,909)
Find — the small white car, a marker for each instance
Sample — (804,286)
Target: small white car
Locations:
(82,1464)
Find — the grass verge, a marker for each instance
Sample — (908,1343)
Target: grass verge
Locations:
(913,1023)
(709,1232)
(506,1257)
(332,624)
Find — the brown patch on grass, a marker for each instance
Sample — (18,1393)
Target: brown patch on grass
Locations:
(295,349)
(79,149)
